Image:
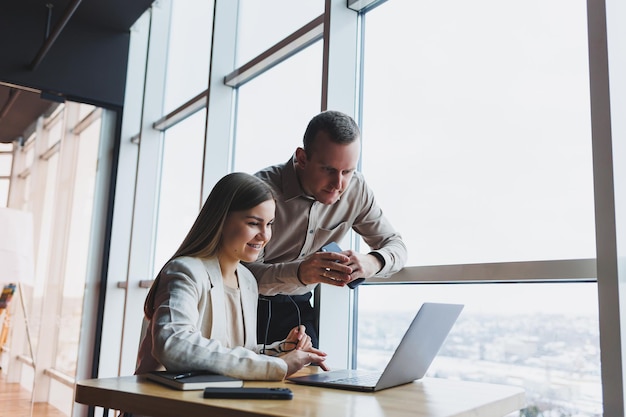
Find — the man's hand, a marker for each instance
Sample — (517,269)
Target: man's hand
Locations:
(363,266)
(326,268)
(337,268)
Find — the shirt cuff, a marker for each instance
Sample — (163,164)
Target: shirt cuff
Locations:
(381,258)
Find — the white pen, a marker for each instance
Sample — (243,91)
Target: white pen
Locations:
(187,374)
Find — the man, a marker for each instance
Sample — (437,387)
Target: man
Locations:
(320,197)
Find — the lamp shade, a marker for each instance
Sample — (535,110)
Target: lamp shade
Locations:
(16,247)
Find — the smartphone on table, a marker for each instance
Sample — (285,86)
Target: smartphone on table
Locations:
(252,393)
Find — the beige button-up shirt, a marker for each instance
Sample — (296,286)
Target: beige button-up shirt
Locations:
(303,225)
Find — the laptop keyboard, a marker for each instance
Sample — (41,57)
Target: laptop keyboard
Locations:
(369,379)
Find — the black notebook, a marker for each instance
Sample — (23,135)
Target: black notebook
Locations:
(193,380)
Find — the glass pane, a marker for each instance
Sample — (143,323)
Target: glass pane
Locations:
(29,154)
(134,93)
(56,132)
(262,24)
(26,203)
(84,110)
(512,334)
(188,51)
(483,125)
(5,164)
(4,192)
(181,176)
(44,246)
(70,310)
(275,108)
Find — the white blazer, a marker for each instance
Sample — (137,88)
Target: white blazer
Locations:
(190,320)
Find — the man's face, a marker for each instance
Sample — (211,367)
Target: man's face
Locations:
(326,175)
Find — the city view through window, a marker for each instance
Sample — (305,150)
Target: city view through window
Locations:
(541,337)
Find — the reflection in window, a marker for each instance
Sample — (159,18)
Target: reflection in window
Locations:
(181,176)
(488,137)
(263,24)
(70,310)
(275,108)
(542,337)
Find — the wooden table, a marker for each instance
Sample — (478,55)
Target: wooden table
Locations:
(432,397)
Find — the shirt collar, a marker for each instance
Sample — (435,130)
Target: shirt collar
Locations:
(291,185)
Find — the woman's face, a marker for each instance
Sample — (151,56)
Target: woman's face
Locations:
(246,232)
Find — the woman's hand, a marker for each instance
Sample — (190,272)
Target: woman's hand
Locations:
(298,359)
(298,340)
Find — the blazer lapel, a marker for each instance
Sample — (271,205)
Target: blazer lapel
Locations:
(249,300)
(217,301)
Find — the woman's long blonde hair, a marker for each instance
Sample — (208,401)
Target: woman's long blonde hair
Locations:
(234,192)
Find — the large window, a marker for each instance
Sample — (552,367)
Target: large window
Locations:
(483,124)
(78,245)
(274,109)
(46,238)
(49,164)
(181,175)
(480,115)
(188,51)
(59,177)
(263,24)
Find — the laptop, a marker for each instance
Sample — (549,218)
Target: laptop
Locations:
(409,362)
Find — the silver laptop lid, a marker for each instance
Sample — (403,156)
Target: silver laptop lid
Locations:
(420,344)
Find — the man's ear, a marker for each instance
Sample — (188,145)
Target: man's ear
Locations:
(301,158)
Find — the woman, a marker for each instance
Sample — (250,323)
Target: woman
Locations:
(201,309)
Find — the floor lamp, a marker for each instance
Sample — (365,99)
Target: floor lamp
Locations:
(17,264)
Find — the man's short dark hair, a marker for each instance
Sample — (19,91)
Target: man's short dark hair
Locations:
(340,127)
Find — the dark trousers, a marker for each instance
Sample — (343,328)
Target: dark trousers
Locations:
(282,314)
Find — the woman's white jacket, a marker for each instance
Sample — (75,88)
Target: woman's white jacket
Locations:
(189,324)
